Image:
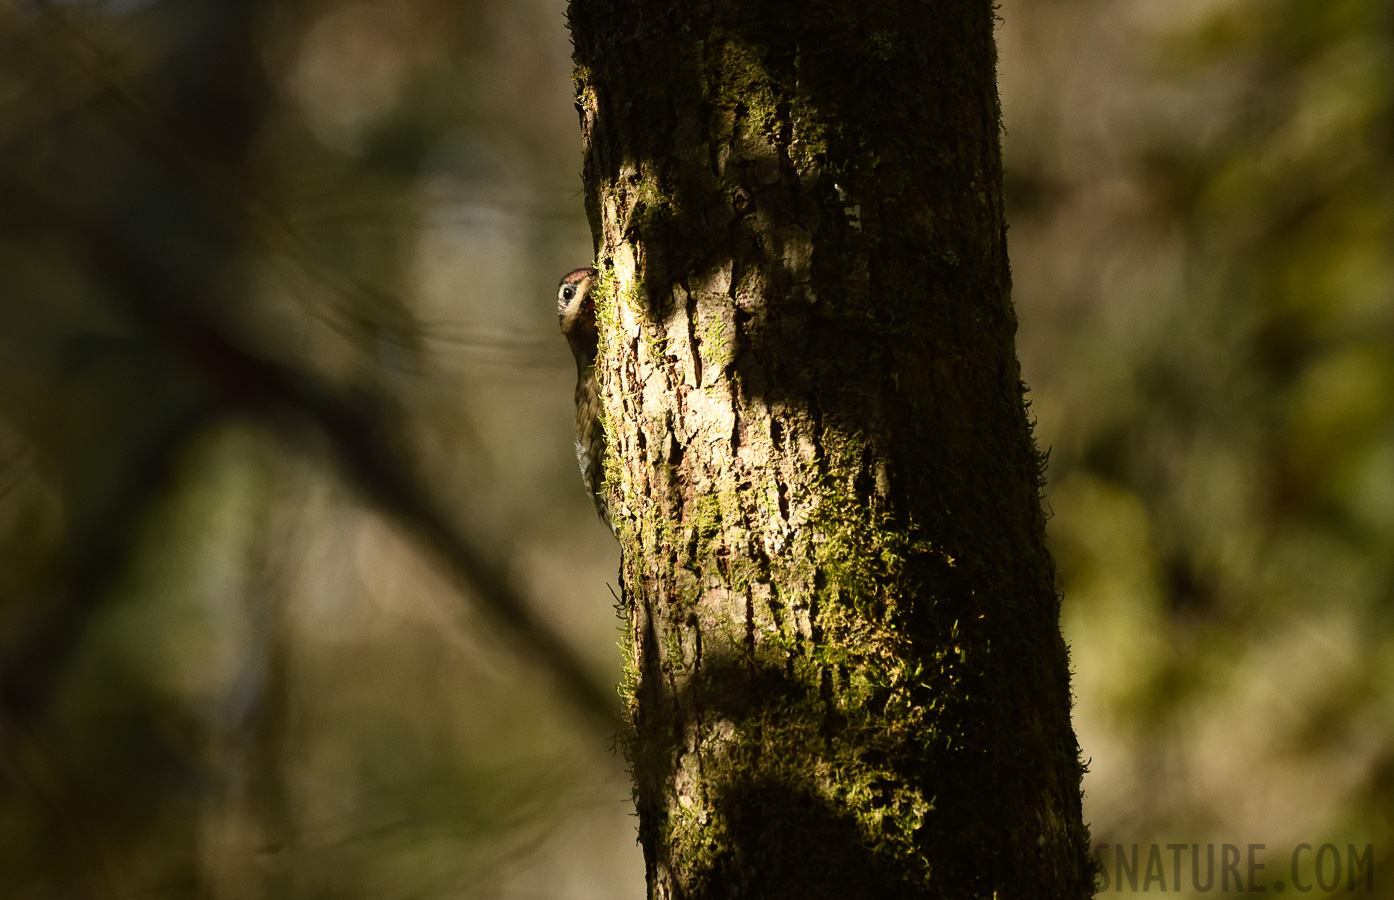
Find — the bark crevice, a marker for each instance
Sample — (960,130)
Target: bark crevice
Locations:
(849,676)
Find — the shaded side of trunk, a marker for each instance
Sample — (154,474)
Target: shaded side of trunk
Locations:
(848,676)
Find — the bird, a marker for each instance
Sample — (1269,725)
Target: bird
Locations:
(576,314)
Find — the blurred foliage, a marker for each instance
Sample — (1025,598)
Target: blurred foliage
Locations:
(1205,275)
(231,233)
(227,673)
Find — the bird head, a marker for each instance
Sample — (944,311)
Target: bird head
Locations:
(576,311)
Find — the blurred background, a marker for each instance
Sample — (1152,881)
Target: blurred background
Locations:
(242,241)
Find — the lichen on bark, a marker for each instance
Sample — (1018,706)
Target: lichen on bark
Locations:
(847,673)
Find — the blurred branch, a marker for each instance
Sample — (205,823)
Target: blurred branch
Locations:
(64,50)
(30,672)
(242,380)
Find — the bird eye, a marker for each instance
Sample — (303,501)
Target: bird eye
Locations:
(568,292)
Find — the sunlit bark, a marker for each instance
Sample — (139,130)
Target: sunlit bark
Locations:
(847,671)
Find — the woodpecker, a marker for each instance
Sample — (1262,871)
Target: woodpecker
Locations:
(576,312)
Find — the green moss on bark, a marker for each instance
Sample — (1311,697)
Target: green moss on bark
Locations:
(848,677)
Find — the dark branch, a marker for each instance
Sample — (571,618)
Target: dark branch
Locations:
(242,380)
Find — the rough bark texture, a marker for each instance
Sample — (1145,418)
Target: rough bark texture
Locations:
(848,678)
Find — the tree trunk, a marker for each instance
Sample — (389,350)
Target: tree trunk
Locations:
(848,678)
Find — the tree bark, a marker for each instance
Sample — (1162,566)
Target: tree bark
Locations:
(847,675)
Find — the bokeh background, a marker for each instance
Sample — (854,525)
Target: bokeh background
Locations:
(231,671)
